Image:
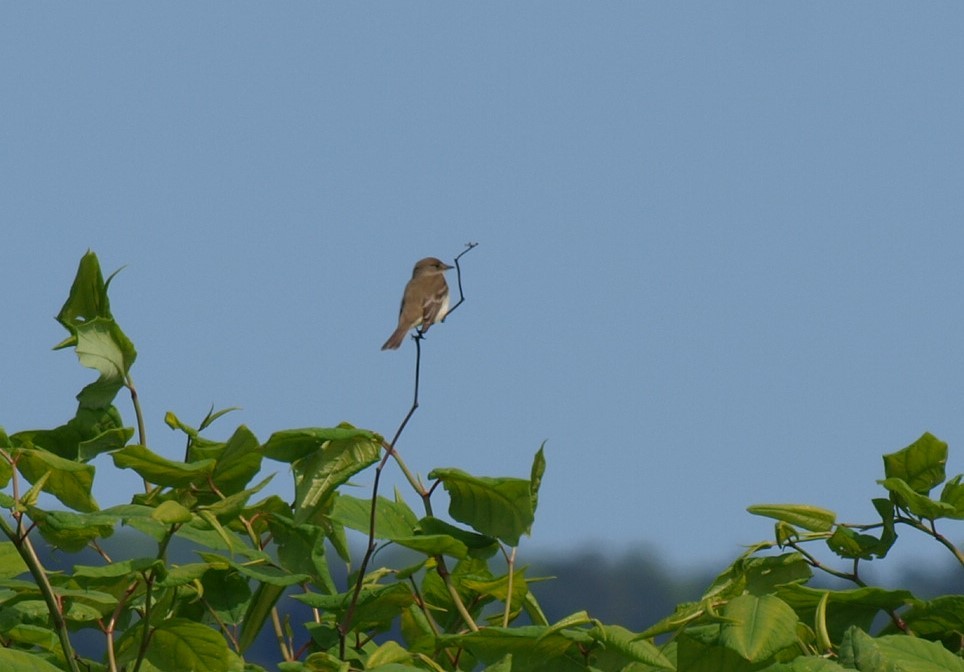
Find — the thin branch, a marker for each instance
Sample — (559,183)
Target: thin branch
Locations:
(932,531)
(458,276)
(139,414)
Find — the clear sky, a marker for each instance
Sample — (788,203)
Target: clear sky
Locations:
(720,244)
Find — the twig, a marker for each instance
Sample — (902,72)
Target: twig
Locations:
(458,276)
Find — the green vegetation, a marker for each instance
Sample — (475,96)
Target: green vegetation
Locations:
(463,603)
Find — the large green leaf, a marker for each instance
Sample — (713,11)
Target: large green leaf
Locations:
(757,627)
(293,444)
(498,507)
(896,652)
(940,618)
(68,481)
(375,608)
(920,465)
(11,563)
(102,346)
(21,661)
(477,545)
(90,432)
(238,459)
(532,647)
(238,463)
(88,294)
(186,646)
(859,606)
(156,469)
(759,575)
(262,572)
(318,474)
(811,518)
(392,519)
(301,550)
(227,593)
(259,608)
(99,342)
(625,642)
(848,543)
(72,531)
(915,502)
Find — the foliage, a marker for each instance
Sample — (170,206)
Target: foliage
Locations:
(463,604)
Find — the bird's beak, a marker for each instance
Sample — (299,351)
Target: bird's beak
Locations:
(446,267)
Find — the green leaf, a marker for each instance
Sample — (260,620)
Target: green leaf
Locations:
(535,475)
(104,442)
(118,569)
(848,543)
(758,627)
(811,518)
(11,563)
(622,640)
(293,444)
(6,471)
(89,432)
(845,608)
(498,588)
(434,544)
(318,474)
(478,545)
(155,469)
(171,513)
(259,571)
(227,594)
(393,520)
(699,650)
(953,495)
(758,575)
(885,509)
(180,644)
(389,652)
(238,463)
(809,664)
(920,465)
(498,507)
(259,608)
(88,294)
(376,607)
(102,346)
(301,550)
(916,503)
(69,481)
(227,510)
(72,531)
(180,575)
(940,618)
(532,647)
(21,661)
(896,652)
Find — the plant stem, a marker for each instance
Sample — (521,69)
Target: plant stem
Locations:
(510,562)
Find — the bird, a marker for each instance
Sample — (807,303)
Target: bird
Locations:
(425,301)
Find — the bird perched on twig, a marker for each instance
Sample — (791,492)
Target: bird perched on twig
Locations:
(425,301)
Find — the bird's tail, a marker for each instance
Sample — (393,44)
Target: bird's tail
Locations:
(395,340)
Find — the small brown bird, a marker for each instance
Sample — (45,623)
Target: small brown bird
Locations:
(425,301)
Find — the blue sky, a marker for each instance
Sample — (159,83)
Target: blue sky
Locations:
(719,253)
